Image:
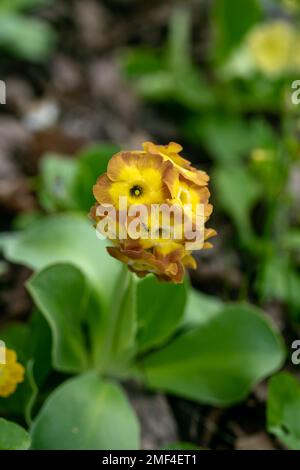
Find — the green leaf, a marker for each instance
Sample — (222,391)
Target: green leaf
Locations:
(292,240)
(12,436)
(20,5)
(273,279)
(67,183)
(157,86)
(293,294)
(119,341)
(186,87)
(229,139)
(283,409)
(278,279)
(17,336)
(57,178)
(66,239)
(220,361)
(160,310)
(189,88)
(39,348)
(61,292)
(171,75)
(179,41)
(34,391)
(192,90)
(237,192)
(29,38)
(25,219)
(126,323)
(92,162)
(141,61)
(87,413)
(232,20)
(200,308)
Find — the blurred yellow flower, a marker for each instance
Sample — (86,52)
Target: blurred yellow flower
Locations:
(11,374)
(272,47)
(296,53)
(156,177)
(262,155)
(291,5)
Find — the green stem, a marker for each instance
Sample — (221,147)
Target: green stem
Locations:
(115,323)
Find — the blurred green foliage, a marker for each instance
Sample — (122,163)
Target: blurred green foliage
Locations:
(12,436)
(66,183)
(231,23)
(96,325)
(103,321)
(25,36)
(247,126)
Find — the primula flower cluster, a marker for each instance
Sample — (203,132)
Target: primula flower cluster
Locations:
(11,374)
(155,175)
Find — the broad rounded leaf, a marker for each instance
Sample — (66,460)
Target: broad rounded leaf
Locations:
(200,308)
(13,436)
(219,361)
(65,238)
(86,413)
(62,294)
(283,409)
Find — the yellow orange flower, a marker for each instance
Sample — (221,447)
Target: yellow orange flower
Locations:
(171,152)
(155,177)
(166,265)
(189,195)
(11,374)
(141,180)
